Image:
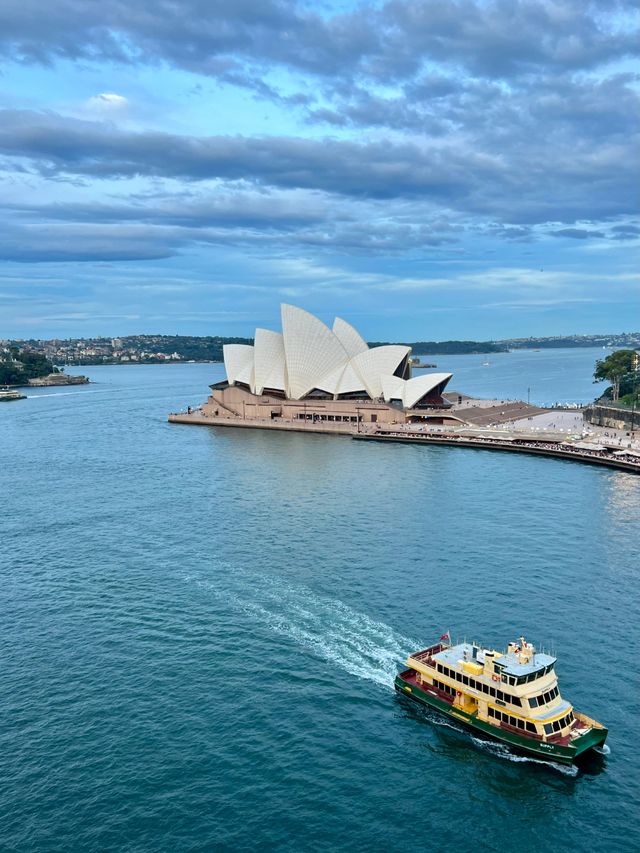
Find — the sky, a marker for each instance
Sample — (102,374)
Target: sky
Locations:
(426,169)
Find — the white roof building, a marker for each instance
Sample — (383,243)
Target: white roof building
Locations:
(310,360)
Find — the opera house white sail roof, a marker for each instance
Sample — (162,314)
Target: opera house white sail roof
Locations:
(310,359)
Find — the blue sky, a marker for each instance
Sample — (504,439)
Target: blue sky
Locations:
(427,169)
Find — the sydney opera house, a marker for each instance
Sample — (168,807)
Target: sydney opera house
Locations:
(311,372)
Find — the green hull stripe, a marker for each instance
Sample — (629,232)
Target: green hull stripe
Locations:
(555,752)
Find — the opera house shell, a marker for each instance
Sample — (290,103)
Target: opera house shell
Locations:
(308,361)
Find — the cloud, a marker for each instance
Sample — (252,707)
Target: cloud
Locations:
(521,184)
(106,103)
(387,42)
(577,233)
(77,242)
(160,225)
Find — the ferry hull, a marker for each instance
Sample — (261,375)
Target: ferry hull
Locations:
(540,749)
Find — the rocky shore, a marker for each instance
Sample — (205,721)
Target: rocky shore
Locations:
(56,379)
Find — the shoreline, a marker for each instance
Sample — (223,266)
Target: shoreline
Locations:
(512,442)
(37,384)
(533,447)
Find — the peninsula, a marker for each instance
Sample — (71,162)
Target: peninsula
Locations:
(23,367)
(313,378)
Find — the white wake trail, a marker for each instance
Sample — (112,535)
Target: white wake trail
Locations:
(327,627)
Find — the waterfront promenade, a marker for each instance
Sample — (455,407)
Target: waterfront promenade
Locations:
(609,451)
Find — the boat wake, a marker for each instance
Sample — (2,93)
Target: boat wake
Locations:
(335,633)
(67,393)
(502,751)
(330,629)
(498,750)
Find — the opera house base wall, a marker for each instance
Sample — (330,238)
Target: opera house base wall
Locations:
(235,401)
(237,406)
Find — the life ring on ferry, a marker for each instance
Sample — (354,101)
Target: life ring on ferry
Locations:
(458,693)
(496,677)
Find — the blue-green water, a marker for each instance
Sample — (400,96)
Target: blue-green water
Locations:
(545,377)
(200,629)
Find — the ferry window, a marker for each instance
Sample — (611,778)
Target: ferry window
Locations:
(548,728)
(531,728)
(491,713)
(512,721)
(485,688)
(439,667)
(465,680)
(515,700)
(520,724)
(533,701)
(556,726)
(500,695)
(492,692)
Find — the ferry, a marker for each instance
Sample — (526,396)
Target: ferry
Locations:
(6,395)
(510,696)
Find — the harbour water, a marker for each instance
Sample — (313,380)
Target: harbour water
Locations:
(200,627)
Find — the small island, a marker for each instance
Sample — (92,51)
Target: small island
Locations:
(21,367)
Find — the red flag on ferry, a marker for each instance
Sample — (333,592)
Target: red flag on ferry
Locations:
(445,636)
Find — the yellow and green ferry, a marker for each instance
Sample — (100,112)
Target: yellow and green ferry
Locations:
(510,696)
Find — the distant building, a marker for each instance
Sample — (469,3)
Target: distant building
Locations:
(309,371)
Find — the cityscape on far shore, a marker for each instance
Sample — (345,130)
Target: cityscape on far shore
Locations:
(157,349)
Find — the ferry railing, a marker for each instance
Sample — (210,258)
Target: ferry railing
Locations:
(428,653)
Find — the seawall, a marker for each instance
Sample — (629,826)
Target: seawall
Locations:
(612,417)
(542,448)
(369,432)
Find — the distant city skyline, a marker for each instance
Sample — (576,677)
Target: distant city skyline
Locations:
(426,170)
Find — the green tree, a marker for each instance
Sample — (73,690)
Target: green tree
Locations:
(614,368)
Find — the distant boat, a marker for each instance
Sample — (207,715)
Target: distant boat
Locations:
(486,364)
(6,395)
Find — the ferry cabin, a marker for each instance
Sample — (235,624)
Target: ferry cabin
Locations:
(517,691)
